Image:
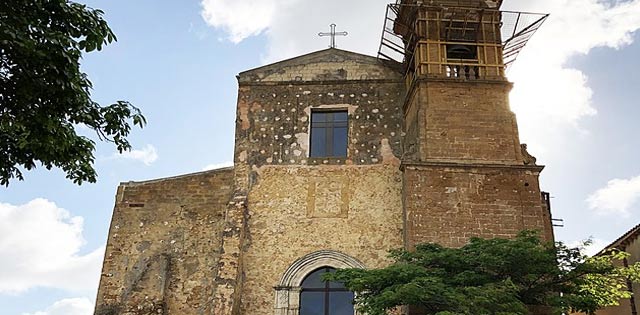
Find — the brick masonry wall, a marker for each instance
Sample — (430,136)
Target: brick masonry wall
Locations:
(461,121)
(450,204)
(164,244)
(464,173)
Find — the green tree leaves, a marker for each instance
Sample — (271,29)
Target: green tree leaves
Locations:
(44,94)
(492,276)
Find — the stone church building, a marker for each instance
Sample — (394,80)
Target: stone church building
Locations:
(339,158)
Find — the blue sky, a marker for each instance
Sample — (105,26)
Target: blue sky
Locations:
(575,96)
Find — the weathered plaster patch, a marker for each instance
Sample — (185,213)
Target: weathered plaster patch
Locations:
(303,141)
(243,113)
(387,153)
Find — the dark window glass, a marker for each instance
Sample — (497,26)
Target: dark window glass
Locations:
(320,116)
(324,298)
(312,303)
(314,279)
(340,141)
(318,142)
(340,303)
(329,134)
(340,116)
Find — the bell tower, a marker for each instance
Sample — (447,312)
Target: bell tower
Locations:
(465,172)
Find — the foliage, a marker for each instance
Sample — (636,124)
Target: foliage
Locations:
(44,94)
(492,276)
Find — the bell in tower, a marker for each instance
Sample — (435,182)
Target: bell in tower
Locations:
(459,51)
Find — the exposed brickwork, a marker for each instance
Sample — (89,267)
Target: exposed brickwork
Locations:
(164,245)
(462,122)
(465,172)
(450,204)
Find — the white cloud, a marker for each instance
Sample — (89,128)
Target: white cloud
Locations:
(595,247)
(217,165)
(547,91)
(292,26)
(146,155)
(74,306)
(617,197)
(40,245)
(241,19)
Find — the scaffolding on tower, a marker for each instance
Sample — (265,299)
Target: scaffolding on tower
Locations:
(402,36)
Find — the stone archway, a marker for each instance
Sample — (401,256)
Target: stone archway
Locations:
(288,289)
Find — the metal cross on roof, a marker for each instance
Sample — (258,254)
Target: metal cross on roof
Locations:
(333,35)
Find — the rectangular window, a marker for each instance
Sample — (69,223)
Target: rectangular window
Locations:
(329,130)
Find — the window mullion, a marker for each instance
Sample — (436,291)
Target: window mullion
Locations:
(329,140)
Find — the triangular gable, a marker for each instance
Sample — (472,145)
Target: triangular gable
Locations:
(325,65)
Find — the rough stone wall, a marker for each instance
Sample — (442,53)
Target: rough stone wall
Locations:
(163,246)
(450,204)
(464,122)
(299,210)
(274,121)
(297,204)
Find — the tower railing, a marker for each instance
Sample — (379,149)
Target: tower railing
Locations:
(417,35)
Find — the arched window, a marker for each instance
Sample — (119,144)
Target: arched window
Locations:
(318,297)
(294,281)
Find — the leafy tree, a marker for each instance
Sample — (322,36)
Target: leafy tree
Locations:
(44,94)
(492,276)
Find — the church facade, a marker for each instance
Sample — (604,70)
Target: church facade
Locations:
(339,158)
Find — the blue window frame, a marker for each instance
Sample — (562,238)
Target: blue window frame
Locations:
(329,133)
